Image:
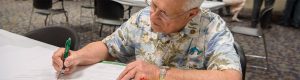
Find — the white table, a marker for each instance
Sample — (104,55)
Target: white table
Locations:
(135,3)
(22,58)
(141,3)
(212,5)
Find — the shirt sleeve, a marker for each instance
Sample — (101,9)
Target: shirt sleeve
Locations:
(220,52)
(119,43)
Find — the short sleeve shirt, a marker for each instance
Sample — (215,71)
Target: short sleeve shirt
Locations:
(205,43)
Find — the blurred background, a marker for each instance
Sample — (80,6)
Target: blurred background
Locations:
(269,35)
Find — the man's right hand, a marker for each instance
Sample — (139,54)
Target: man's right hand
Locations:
(70,63)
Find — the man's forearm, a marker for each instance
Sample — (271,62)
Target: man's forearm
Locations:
(177,74)
(93,53)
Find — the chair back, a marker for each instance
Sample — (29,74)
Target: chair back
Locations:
(243,60)
(56,36)
(42,4)
(265,18)
(108,9)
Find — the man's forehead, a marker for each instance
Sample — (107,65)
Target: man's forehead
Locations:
(173,5)
(172,2)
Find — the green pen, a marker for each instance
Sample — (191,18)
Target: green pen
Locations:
(66,54)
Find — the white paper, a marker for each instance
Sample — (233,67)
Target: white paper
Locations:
(26,63)
(19,63)
(99,71)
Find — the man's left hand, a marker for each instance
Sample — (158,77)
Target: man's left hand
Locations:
(140,70)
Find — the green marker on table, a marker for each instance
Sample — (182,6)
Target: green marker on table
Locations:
(66,54)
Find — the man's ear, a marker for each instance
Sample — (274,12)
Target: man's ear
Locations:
(193,12)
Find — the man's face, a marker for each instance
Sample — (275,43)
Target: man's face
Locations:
(168,16)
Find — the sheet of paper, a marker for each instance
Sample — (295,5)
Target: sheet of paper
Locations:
(35,63)
(24,63)
(100,71)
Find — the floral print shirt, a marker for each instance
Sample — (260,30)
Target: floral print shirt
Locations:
(205,43)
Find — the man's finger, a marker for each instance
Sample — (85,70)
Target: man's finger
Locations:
(56,67)
(59,52)
(57,57)
(70,69)
(124,72)
(71,60)
(129,67)
(58,61)
(130,75)
(67,70)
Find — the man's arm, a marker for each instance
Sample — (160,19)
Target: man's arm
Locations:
(177,74)
(141,70)
(93,52)
(111,47)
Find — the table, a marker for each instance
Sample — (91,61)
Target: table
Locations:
(135,3)
(213,5)
(22,58)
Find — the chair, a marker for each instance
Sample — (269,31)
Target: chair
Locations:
(243,60)
(109,13)
(264,20)
(56,36)
(44,7)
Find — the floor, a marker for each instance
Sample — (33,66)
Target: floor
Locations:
(282,42)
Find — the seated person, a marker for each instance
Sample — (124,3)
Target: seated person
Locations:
(235,7)
(170,40)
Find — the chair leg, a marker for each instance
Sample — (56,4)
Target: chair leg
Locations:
(67,18)
(114,28)
(129,11)
(30,19)
(46,20)
(80,15)
(266,50)
(100,33)
(51,18)
(93,23)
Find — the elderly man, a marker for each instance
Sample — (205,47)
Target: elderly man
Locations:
(170,40)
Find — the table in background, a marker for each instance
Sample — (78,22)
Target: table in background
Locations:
(213,5)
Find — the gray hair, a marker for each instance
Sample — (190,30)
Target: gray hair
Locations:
(190,4)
